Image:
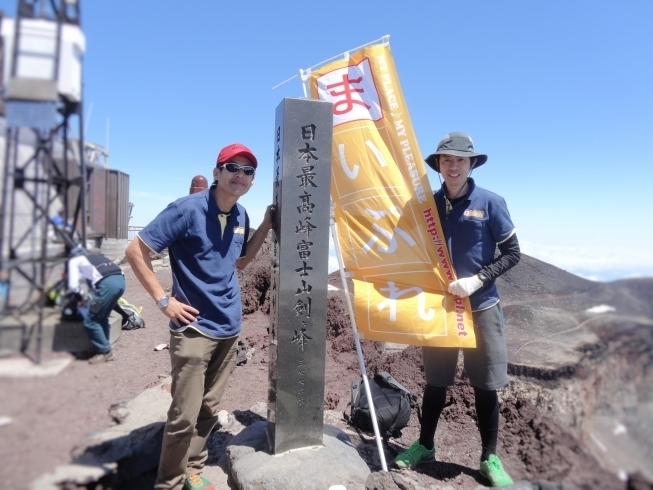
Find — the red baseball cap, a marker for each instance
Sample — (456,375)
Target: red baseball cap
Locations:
(234,150)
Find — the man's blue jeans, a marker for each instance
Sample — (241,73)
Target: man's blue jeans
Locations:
(105,296)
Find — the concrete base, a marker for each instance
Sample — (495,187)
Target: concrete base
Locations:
(114,248)
(336,463)
(20,333)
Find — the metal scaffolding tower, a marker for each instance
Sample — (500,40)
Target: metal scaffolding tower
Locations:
(45,176)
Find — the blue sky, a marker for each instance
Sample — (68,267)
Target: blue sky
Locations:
(557,93)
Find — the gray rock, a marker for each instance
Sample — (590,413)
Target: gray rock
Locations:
(244,352)
(135,444)
(547,485)
(381,480)
(521,485)
(397,480)
(71,473)
(336,463)
(119,410)
(540,485)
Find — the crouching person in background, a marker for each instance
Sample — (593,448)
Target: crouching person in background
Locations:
(107,283)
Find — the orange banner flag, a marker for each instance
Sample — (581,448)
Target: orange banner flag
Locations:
(388,225)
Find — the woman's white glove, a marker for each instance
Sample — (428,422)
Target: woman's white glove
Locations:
(466,286)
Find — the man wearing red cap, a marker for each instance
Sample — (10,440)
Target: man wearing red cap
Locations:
(206,234)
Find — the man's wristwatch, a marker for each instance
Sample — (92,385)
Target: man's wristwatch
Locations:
(484,279)
(163,302)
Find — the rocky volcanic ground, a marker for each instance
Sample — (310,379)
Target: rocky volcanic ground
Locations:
(551,415)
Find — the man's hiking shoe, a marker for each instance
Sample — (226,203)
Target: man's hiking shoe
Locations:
(100,358)
(198,482)
(415,455)
(492,469)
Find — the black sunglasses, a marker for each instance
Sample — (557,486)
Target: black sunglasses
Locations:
(234,168)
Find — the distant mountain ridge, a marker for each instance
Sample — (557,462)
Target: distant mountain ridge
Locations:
(537,282)
(533,280)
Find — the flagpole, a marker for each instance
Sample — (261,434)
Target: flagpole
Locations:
(304,74)
(359,352)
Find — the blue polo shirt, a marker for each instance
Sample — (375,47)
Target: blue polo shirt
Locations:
(203,259)
(473,228)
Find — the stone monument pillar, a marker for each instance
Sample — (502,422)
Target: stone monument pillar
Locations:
(298,296)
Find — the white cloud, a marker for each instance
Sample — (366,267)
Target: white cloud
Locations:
(590,277)
(333,262)
(600,309)
(595,261)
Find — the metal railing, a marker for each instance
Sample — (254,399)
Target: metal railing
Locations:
(132,231)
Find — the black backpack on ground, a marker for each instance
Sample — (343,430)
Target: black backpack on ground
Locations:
(392,404)
(131,315)
(69,307)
